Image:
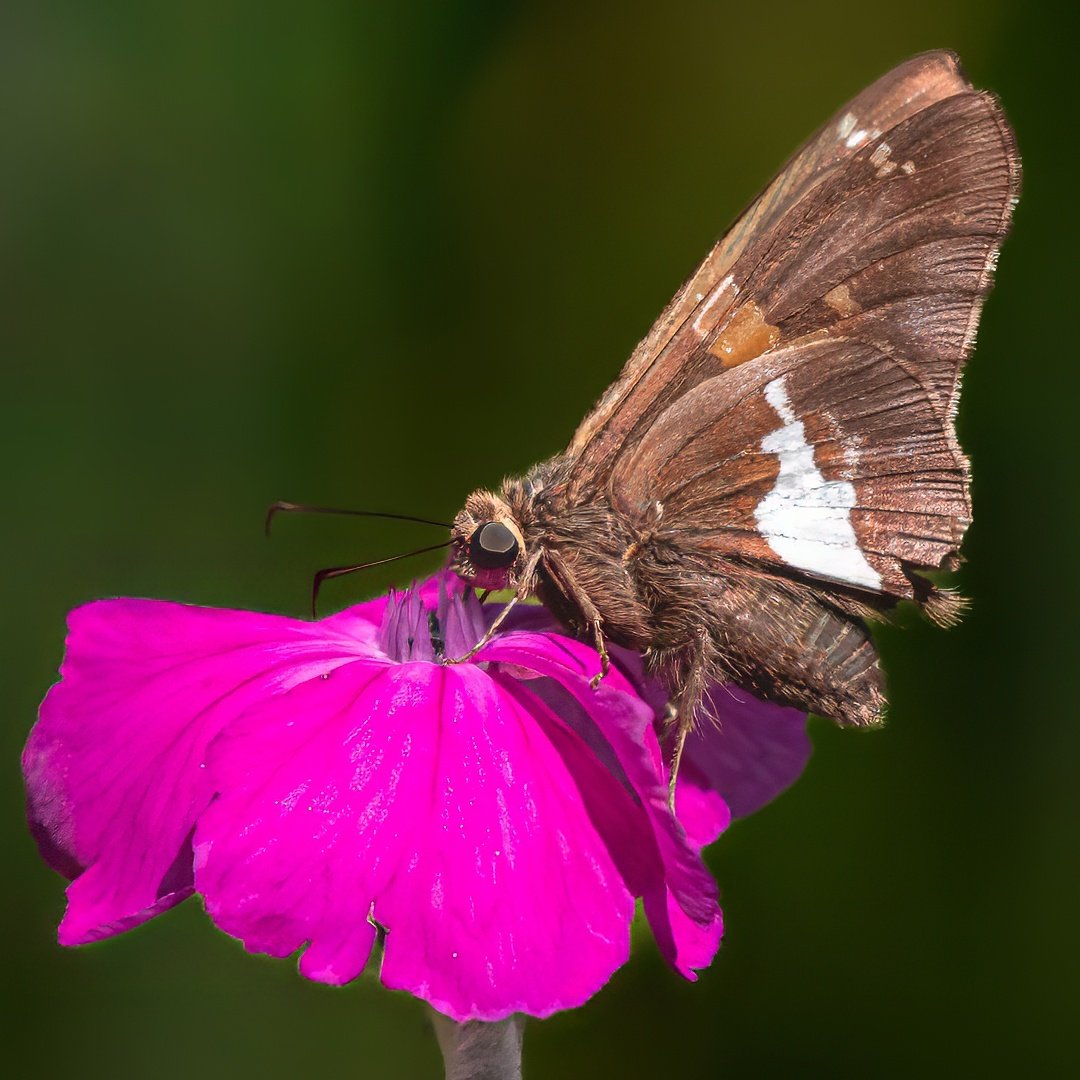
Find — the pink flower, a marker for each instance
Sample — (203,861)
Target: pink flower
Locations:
(317,781)
(320,783)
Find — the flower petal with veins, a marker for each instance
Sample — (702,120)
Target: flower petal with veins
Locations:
(318,782)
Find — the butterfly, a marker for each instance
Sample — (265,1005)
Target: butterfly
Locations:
(777,463)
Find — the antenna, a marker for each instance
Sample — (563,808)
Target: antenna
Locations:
(298,508)
(341,571)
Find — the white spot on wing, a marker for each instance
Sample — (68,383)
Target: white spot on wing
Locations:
(881,152)
(806,519)
(846,125)
(727,283)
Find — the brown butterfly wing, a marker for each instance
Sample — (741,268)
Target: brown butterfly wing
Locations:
(813,384)
(721,317)
(827,458)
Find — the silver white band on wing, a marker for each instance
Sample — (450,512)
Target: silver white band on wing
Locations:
(805,518)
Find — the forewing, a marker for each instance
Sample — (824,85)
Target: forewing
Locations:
(883,229)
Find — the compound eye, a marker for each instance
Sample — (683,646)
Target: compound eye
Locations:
(493,546)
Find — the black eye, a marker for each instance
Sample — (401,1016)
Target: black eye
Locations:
(493,546)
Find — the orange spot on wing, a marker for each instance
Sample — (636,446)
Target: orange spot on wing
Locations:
(745,337)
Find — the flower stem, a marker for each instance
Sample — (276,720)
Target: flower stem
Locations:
(480,1051)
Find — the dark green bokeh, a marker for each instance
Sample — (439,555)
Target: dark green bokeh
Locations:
(376,255)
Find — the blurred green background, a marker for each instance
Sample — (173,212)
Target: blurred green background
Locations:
(377,255)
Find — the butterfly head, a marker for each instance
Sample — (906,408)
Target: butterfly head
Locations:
(487,545)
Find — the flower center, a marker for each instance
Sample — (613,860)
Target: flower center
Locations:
(413,629)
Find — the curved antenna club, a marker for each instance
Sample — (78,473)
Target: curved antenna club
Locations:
(341,571)
(299,508)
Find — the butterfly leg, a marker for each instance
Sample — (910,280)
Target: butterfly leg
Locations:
(570,588)
(676,761)
(601,648)
(694,680)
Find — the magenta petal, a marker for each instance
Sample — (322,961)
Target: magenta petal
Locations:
(690,945)
(359,624)
(481,833)
(113,766)
(701,809)
(687,945)
(753,751)
(626,723)
(320,782)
